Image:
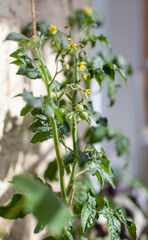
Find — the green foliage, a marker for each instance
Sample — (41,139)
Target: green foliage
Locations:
(51,171)
(88,214)
(28,66)
(15,208)
(114,220)
(15,36)
(97,134)
(101,168)
(42,202)
(56,116)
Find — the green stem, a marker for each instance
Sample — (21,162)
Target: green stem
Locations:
(54,130)
(74,166)
(74,130)
(59,159)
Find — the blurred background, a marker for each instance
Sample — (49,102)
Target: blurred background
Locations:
(127,31)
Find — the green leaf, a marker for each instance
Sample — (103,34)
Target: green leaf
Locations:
(56,86)
(131,229)
(25,110)
(82,158)
(15,208)
(106,172)
(18,62)
(39,227)
(89,21)
(82,187)
(27,65)
(99,76)
(41,137)
(15,36)
(98,18)
(50,238)
(69,230)
(88,217)
(88,214)
(119,214)
(112,90)
(51,171)
(40,200)
(111,132)
(122,144)
(114,226)
(69,157)
(109,70)
(64,128)
(103,121)
(40,126)
(59,115)
(98,134)
(29,70)
(39,113)
(102,38)
(123,74)
(100,179)
(17,53)
(31,100)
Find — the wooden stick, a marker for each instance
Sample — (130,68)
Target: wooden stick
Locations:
(33,16)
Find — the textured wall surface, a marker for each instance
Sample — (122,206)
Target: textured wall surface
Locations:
(17,155)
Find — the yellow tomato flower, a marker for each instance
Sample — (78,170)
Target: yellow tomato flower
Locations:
(82,66)
(63,52)
(72,46)
(87,10)
(85,76)
(52,42)
(53,29)
(67,66)
(87,91)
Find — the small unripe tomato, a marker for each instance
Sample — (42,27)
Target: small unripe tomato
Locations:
(69,116)
(62,110)
(79,107)
(84,115)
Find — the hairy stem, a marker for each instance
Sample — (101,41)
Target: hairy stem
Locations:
(59,159)
(74,130)
(54,131)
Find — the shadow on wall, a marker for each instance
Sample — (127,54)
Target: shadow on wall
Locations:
(16,152)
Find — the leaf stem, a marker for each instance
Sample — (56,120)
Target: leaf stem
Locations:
(83,171)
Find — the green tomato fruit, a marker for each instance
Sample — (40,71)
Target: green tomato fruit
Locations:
(79,107)
(69,116)
(84,115)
